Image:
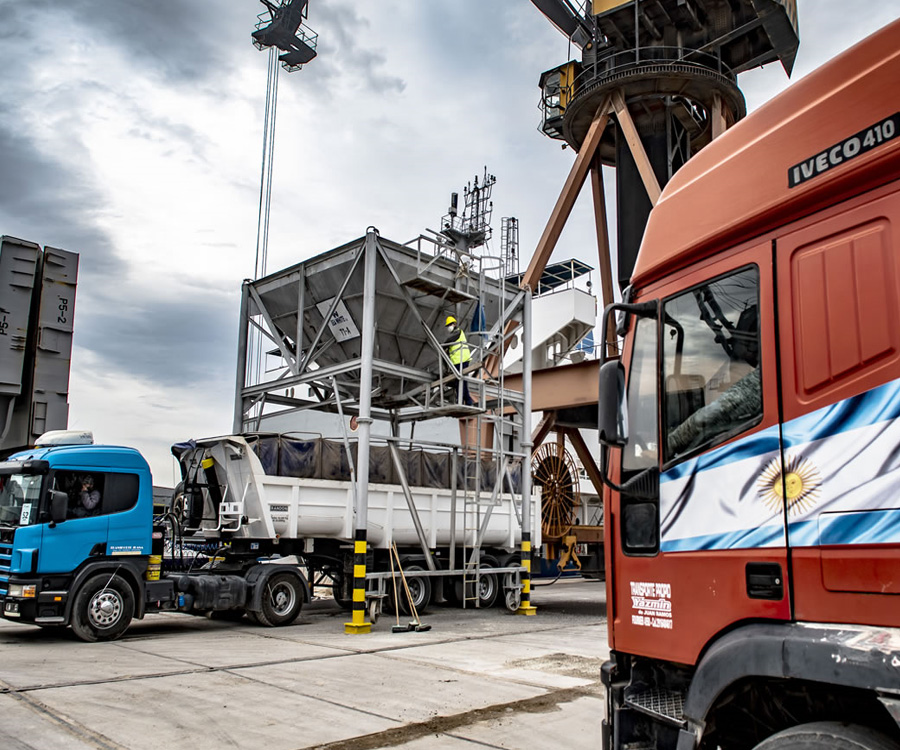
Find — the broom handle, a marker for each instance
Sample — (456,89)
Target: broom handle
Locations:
(412,606)
(394,582)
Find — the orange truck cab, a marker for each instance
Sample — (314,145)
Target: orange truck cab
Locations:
(751,433)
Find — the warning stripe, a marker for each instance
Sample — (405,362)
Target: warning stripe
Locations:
(359,577)
(526,573)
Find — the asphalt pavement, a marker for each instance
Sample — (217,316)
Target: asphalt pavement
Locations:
(477,679)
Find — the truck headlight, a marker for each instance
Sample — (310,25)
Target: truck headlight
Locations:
(22,592)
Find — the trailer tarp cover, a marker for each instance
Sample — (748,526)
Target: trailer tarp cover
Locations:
(318,458)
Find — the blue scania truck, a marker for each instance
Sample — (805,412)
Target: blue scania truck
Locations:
(81,546)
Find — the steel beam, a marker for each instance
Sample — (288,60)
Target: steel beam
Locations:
(273,332)
(301,307)
(410,503)
(586,458)
(603,250)
(566,200)
(542,430)
(558,217)
(561,387)
(641,160)
(337,298)
(241,375)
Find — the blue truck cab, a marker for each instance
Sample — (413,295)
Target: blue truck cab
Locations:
(70,514)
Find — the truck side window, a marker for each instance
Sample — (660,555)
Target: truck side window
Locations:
(96,493)
(121,492)
(85,491)
(712,388)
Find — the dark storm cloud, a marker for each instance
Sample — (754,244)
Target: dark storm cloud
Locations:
(46,201)
(178,341)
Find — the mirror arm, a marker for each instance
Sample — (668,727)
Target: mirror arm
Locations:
(604,474)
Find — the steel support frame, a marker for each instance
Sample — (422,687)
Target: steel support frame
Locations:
(358,374)
(358,624)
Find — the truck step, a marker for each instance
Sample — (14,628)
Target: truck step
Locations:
(660,703)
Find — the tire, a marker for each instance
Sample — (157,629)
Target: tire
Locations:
(338,591)
(512,596)
(453,591)
(419,590)
(828,735)
(374,611)
(282,600)
(488,585)
(103,608)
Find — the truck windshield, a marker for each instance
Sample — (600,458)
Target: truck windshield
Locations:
(19,496)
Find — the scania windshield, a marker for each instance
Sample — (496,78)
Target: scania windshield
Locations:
(19,496)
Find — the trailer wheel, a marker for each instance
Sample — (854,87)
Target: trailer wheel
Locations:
(419,590)
(282,600)
(828,735)
(512,594)
(488,585)
(338,588)
(103,608)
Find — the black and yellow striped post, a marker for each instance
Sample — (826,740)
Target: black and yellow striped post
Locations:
(525,605)
(358,623)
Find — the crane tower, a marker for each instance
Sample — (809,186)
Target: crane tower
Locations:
(662,77)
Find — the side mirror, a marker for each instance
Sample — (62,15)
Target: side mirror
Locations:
(59,503)
(613,417)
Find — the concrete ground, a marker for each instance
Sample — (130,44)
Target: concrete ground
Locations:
(478,678)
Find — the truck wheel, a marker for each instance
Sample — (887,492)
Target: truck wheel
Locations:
(488,585)
(338,589)
(282,600)
(419,590)
(103,608)
(828,735)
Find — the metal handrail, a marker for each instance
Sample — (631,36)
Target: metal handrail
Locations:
(615,63)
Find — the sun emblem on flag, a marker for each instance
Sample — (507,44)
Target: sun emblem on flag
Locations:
(795,484)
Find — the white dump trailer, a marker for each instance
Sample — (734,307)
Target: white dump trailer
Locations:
(456,526)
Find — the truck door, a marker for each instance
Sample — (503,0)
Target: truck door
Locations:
(840,333)
(705,547)
(85,531)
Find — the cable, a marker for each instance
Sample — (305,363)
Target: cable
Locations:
(254,361)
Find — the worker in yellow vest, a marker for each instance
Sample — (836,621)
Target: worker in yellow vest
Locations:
(459,353)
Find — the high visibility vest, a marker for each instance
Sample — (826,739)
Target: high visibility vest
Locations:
(459,350)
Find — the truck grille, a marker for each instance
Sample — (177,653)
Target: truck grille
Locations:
(5,562)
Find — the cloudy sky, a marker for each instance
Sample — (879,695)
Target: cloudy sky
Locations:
(131,133)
